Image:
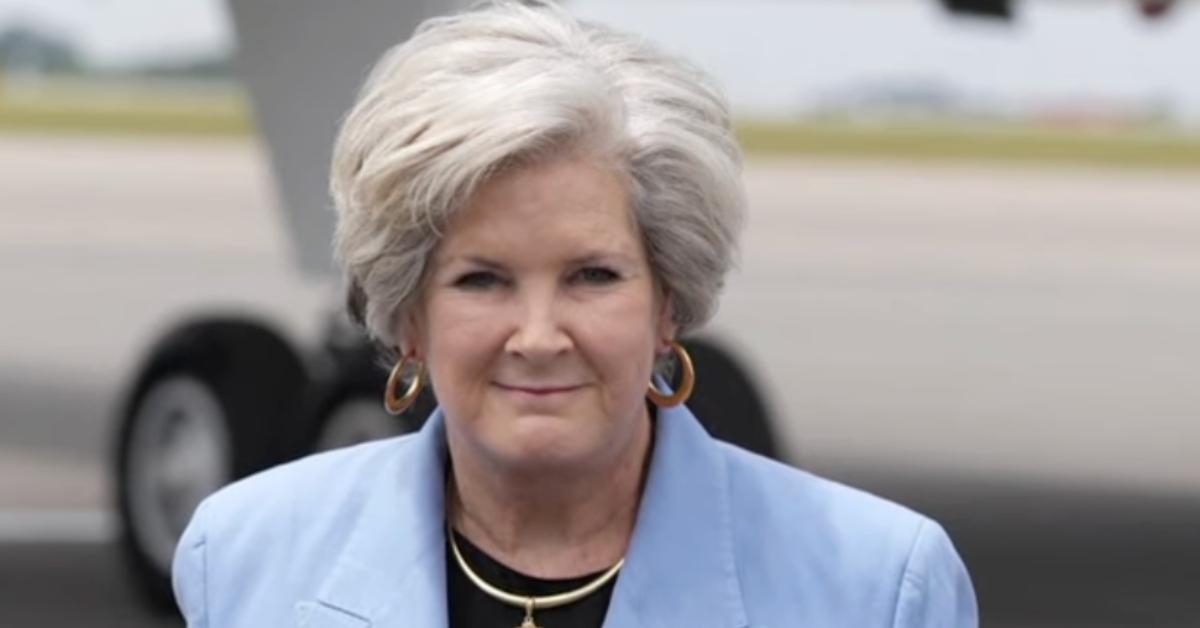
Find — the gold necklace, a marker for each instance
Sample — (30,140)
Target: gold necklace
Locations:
(531,603)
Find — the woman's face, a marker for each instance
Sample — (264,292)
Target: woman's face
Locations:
(540,319)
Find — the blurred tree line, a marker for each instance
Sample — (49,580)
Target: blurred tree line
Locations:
(27,50)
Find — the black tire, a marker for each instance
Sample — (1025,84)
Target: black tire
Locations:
(353,391)
(726,401)
(254,384)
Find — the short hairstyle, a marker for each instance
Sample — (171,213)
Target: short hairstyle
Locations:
(507,83)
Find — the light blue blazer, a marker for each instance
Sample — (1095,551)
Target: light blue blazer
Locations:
(724,539)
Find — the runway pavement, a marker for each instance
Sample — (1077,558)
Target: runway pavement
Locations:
(53,585)
(1054,556)
(1011,350)
(1107,561)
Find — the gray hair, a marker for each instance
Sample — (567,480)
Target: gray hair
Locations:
(509,83)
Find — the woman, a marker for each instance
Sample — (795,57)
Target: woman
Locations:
(531,210)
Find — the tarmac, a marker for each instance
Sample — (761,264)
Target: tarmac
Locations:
(1010,349)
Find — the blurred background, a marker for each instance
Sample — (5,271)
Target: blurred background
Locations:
(970,280)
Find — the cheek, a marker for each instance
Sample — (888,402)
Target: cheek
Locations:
(460,341)
(621,336)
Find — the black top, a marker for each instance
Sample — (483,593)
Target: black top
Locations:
(470,607)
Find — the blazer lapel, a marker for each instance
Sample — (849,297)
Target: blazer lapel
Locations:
(392,571)
(680,569)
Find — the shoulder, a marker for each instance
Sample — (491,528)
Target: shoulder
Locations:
(789,496)
(279,525)
(840,547)
(298,492)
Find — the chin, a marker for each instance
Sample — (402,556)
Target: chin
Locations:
(547,441)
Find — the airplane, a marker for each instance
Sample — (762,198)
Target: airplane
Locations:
(229,396)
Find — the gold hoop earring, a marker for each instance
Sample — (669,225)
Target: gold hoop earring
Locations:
(397,405)
(685,387)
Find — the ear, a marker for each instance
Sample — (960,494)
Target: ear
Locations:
(409,334)
(665,327)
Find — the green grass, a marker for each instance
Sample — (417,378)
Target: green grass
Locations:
(993,142)
(66,107)
(74,108)
(68,119)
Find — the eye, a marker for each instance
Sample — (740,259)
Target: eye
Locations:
(597,275)
(477,280)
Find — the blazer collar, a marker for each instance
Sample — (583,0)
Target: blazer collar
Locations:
(392,570)
(680,569)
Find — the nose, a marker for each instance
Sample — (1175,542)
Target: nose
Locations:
(539,334)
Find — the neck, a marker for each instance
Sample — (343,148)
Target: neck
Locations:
(550,523)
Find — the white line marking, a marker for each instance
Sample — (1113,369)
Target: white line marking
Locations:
(57,526)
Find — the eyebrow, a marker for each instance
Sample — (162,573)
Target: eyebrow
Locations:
(593,257)
(581,260)
(474,260)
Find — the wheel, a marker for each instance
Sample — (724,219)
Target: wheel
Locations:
(179,451)
(213,404)
(357,416)
(349,405)
(726,401)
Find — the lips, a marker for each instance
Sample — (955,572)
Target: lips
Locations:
(539,390)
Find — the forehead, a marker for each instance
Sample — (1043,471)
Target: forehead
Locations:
(555,205)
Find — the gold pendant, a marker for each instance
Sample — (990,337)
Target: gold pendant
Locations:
(528,621)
